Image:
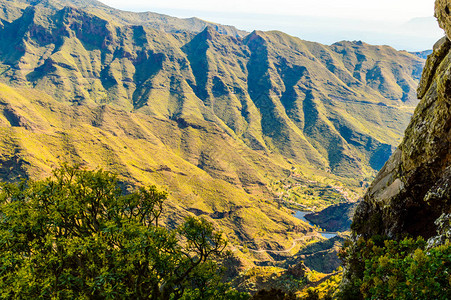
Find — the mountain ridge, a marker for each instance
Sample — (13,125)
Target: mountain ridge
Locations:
(155,20)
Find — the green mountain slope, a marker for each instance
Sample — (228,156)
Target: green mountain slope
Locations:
(216,118)
(38,133)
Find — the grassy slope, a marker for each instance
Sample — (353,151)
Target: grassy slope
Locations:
(44,133)
(337,108)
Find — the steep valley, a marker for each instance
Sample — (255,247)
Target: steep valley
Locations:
(218,117)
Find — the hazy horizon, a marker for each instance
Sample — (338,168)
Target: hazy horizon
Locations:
(414,30)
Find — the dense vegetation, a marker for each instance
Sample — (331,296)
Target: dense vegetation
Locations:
(381,268)
(77,236)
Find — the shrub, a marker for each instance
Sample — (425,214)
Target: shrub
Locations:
(397,270)
(77,236)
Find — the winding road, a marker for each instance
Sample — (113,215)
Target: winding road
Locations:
(308,235)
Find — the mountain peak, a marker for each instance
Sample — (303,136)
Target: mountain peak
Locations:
(208,33)
(255,39)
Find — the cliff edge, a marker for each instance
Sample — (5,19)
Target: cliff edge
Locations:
(410,200)
(413,189)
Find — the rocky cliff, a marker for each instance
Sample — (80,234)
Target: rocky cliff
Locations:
(411,195)
(413,188)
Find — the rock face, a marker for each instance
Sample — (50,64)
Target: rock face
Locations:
(413,189)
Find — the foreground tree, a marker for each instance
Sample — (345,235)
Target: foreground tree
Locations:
(77,236)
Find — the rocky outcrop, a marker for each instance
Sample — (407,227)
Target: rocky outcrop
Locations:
(413,189)
(411,195)
(336,217)
(443,15)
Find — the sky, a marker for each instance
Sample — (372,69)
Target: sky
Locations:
(403,24)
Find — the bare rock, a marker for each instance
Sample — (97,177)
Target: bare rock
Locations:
(443,15)
(413,188)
